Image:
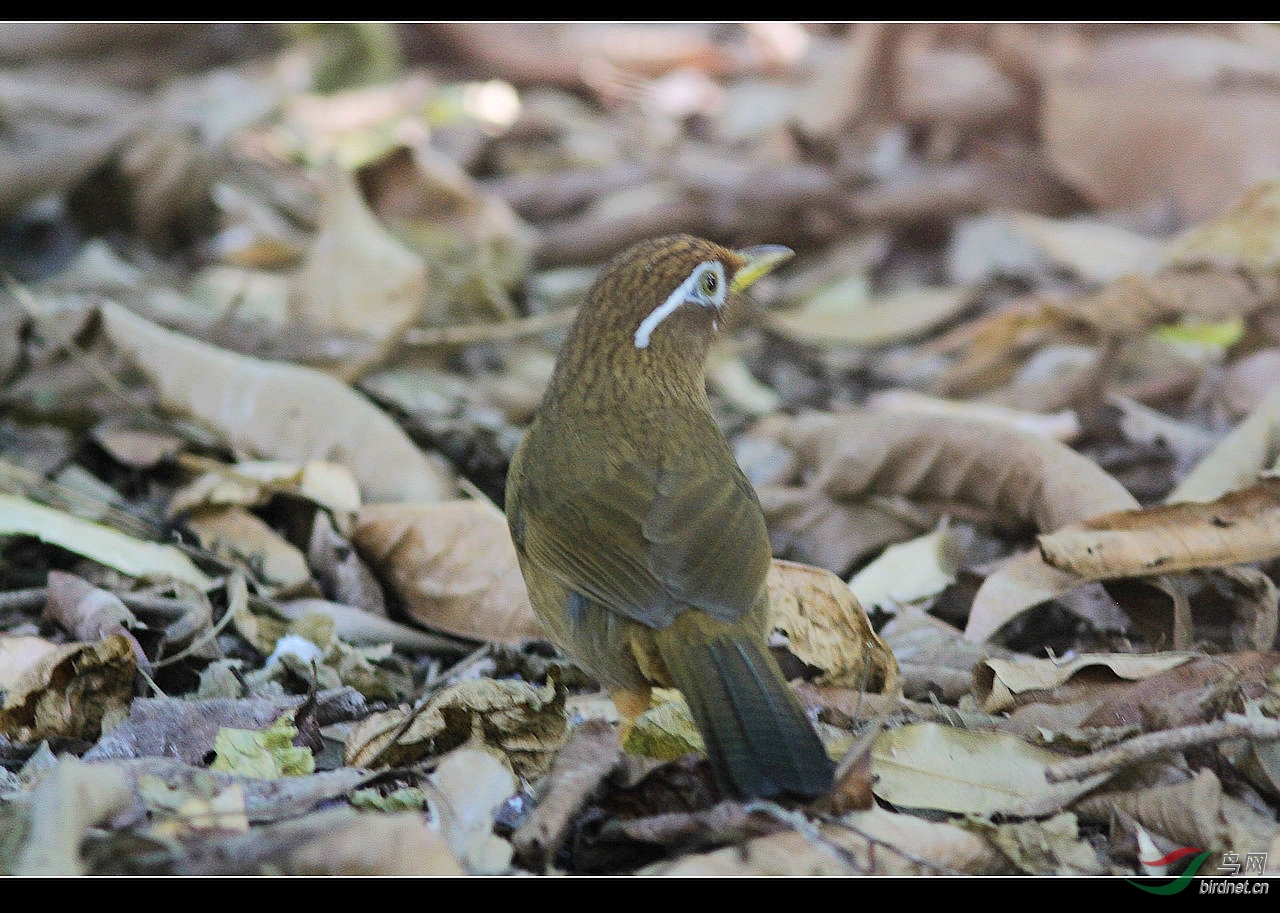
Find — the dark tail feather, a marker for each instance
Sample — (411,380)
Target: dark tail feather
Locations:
(758,738)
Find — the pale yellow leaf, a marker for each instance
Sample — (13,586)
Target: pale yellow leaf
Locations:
(909,571)
(930,766)
(133,557)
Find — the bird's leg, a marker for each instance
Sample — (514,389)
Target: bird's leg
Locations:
(631,702)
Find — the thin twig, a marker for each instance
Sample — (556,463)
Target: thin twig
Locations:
(1142,747)
(469,334)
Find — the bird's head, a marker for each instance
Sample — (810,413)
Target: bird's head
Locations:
(659,303)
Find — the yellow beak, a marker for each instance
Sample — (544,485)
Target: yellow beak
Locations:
(757,262)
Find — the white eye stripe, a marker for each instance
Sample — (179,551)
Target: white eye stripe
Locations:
(689,291)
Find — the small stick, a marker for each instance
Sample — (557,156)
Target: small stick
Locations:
(1233,726)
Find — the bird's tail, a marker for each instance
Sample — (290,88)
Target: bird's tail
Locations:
(758,738)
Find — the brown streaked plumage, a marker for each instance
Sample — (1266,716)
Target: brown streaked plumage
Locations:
(642,544)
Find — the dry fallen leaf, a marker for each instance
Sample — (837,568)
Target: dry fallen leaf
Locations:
(279,410)
(87,612)
(1001,683)
(1185,693)
(989,466)
(927,765)
(18,653)
(909,571)
(134,557)
(827,628)
(1203,109)
(71,691)
(838,318)
(65,804)
(469,787)
(873,842)
(475,246)
(514,720)
(1253,446)
(244,540)
(452,564)
(337,841)
(1192,812)
(357,277)
(1239,527)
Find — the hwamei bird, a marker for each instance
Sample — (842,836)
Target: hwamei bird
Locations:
(642,544)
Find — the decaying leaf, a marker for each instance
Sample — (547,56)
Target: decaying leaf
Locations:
(827,628)
(452,564)
(71,691)
(264,753)
(278,410)
(516,721)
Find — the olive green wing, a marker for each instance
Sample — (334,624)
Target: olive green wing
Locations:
(644,537)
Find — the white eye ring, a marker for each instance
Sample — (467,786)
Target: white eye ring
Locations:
(705,286)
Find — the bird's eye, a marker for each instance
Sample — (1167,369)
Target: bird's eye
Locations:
(709,282)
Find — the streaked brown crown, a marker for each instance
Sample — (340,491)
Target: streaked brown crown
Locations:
(601,347)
